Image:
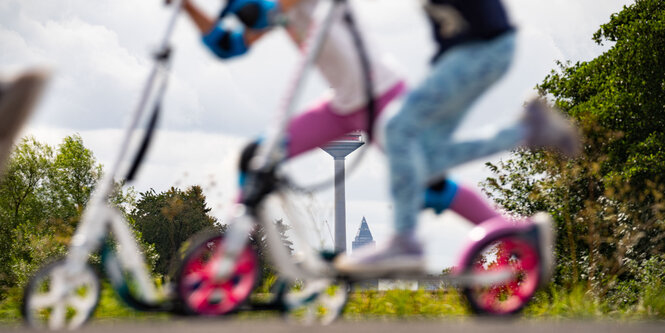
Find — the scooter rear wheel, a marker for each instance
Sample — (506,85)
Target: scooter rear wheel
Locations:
(200,292)
(516,254)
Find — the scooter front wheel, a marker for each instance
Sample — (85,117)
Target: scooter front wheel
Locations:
(57,299)
(516,255)
(201,292)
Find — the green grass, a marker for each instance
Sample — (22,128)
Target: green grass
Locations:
(405,303)
(579,302)
(556,303)
(112,308)
(10,307)
(574,303)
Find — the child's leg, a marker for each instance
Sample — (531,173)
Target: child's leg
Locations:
(492,60)
(455,83)
(448,154)
(320,124)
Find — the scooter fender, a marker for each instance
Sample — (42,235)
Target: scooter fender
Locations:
(487,231)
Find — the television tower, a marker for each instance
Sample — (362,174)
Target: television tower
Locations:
(339,149)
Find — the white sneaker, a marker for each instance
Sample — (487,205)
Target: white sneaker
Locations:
(402,254)
(548,128)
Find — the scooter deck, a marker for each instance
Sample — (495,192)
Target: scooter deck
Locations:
(487,278)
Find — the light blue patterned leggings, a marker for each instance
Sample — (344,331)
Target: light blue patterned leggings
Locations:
(419,142)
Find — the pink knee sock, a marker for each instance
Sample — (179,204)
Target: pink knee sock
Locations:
(471,205)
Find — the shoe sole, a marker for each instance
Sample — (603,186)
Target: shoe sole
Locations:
(16,106)
(396,266)
(544,226)
(567,138)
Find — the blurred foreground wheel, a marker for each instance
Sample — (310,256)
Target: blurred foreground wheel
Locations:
(199,292)
(57,300)
(317,302)
(515,254)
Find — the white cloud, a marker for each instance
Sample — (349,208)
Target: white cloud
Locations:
(569,23)
(100,53)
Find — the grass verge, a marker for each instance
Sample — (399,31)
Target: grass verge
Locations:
(555,303)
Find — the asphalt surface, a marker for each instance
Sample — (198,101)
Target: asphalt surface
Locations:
(463,325)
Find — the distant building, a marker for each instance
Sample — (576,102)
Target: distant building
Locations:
(363,237)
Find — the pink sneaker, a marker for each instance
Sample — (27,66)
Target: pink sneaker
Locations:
(401,254)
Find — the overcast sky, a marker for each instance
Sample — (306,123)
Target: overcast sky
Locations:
(98,51)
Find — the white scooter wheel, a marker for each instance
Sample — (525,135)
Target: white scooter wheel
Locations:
(56,300)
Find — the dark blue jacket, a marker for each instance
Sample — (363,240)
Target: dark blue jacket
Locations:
(460,21)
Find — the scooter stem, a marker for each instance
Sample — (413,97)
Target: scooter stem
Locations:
(237,237)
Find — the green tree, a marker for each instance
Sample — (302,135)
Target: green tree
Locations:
(75,174)
(28,170)
(608,204)
(41,197)
(169,218)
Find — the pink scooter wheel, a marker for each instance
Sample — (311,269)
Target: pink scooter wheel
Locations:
(515,254)
(199,292)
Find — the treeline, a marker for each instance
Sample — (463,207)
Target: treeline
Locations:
(608,204)
(44,191)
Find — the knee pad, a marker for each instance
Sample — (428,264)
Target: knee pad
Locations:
(439,196)
(226,43)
